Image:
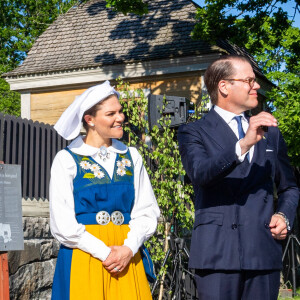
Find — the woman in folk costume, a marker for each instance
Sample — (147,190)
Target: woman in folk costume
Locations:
(102,206)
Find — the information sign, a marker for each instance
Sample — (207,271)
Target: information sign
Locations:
(11,229)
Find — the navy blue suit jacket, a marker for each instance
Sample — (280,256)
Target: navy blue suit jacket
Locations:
(234,201)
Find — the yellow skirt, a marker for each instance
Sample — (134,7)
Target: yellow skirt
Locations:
(89,280)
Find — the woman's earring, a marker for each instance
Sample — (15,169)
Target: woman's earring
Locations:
(92,124)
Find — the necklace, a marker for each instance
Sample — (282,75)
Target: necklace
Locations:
(103,153)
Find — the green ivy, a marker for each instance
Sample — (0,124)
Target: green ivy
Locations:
(159,149)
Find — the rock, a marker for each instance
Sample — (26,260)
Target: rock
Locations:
(32,281)
(36,227)
(49,249)
(30,253)
(31,270)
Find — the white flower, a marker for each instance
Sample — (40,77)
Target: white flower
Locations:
(126,162)
(94,168)
(85,165)
(121,164)
(121,172)
(99,174)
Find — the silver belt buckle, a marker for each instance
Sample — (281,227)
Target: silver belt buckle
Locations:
(102,217)
(117,217)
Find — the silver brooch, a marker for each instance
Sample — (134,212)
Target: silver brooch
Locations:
(103,153)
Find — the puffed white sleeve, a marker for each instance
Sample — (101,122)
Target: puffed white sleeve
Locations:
(63,223)
(145,212)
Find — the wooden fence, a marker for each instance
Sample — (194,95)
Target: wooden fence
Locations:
(32,145)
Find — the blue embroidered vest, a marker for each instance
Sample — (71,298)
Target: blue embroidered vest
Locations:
(95,191)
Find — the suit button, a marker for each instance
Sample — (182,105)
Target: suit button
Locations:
(267,225)
(234,226)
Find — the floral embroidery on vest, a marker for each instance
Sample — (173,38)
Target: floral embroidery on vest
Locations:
(86,165)
(122,164)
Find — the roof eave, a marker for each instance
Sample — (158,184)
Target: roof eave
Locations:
(111,72)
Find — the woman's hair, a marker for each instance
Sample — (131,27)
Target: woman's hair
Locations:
(220,69)
(92,111)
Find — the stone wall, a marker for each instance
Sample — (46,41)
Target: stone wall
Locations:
(31,270)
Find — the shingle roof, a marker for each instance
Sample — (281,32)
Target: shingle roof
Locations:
(92,35)
(235,50)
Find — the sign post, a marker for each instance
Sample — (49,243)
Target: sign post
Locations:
(4,277)
(11,229)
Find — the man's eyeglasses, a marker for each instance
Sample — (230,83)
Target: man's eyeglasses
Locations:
(250,81)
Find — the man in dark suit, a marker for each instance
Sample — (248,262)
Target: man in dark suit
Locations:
(234,165)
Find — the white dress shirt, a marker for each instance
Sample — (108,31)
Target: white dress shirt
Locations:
(64,226)
(228,117)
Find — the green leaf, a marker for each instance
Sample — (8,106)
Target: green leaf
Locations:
(89,175)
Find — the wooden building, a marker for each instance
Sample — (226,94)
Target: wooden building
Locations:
(91,43)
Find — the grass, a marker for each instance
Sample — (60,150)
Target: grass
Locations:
(297,297)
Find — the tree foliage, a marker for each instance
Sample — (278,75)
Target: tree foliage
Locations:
(266,30)
(9,100)
(138,7)
(244,22)
(159,149)
(128,6)
(23,21)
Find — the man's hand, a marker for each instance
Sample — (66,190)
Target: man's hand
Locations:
(278,227)
(118,259)
(255,133)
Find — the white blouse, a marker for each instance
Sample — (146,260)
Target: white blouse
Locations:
(63,224)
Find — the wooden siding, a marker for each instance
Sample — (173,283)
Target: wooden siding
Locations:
(189,87)
(48,107)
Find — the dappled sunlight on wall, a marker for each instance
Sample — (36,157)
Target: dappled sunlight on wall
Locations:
(188,87)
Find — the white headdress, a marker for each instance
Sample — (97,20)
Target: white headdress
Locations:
(69,124)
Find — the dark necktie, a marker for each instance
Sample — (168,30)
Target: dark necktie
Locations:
(241,131)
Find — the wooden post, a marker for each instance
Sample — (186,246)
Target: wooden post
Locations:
(4,277)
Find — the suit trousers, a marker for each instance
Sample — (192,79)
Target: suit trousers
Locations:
(238,285)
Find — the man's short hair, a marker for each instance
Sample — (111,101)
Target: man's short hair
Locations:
(220,69)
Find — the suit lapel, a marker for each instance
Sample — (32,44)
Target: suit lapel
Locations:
(222,134)
(218,129)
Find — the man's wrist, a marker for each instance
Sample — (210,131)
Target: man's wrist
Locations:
(286,220)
